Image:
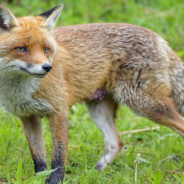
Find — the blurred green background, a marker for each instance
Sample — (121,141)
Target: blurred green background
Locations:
(166,17)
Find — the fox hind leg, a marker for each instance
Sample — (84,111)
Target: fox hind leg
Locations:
(161,110)
(103,115)
(165,113)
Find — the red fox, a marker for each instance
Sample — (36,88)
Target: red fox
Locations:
(44,72)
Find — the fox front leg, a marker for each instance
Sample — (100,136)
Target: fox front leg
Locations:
(33,131)
(59,130)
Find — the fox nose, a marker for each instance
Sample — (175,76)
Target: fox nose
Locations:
(47,67)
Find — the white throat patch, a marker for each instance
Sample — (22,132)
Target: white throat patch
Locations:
(17,89)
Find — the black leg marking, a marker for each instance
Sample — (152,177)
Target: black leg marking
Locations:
(58,163)
(40,165)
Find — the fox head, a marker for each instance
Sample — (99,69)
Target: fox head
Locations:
(26,44)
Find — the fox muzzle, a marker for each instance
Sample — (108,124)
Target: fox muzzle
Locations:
(47,67)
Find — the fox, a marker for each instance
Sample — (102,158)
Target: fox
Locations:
(45,71)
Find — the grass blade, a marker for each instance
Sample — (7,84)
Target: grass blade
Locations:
(19,171)
(40,175)
(8,178)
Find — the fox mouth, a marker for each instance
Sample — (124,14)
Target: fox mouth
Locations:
(38,75)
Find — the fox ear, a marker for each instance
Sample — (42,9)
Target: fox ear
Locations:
(7,19)
(51,16)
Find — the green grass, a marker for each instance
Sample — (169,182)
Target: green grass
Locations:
(86,147)
(85,140)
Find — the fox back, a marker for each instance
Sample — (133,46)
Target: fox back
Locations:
(122,58)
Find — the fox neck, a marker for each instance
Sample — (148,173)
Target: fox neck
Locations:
(16,94)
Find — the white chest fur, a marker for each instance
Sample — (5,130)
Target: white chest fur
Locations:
(16,95)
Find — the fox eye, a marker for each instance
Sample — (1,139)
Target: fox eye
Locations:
(46,50)
(21,49)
